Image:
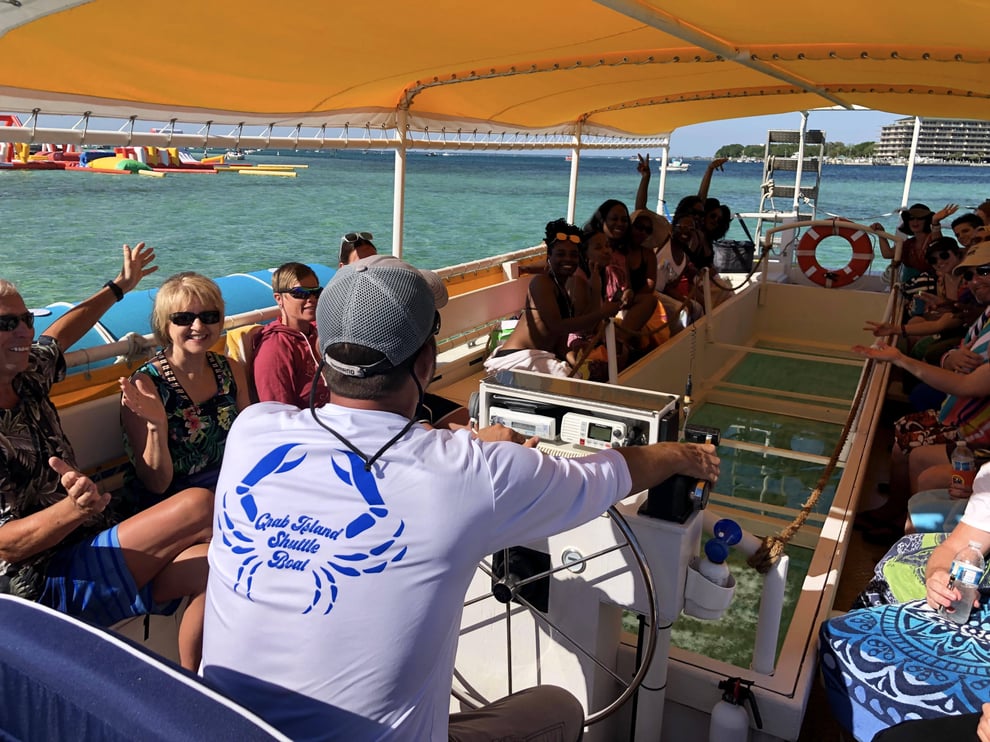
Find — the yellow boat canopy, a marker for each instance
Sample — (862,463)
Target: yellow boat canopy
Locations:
(567,69)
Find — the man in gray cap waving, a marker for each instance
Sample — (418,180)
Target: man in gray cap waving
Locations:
(346,536)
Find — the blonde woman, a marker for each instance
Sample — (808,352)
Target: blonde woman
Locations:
(178,408)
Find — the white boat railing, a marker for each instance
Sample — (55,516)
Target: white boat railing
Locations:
(896,239)
(134,346)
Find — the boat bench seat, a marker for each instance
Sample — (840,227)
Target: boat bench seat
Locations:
(468,320)
(93,428)
(61,678)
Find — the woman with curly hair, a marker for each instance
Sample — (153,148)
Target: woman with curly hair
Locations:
(539,340)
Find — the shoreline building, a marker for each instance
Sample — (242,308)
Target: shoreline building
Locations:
(938,140)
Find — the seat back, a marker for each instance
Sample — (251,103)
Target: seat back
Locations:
(61,678)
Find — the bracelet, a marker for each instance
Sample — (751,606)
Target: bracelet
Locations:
(117,291)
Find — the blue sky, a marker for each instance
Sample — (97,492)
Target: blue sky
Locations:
(851,127)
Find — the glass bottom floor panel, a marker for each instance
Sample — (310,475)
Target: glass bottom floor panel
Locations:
(770,463)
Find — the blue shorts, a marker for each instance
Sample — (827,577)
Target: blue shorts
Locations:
(91,581)
(934,511)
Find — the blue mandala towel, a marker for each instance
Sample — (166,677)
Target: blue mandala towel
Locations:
(890,663)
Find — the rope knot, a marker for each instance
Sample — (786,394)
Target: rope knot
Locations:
(767,554)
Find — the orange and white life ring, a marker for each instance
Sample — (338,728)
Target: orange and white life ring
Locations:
(862,256)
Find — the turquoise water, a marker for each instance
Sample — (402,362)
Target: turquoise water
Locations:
(62,231)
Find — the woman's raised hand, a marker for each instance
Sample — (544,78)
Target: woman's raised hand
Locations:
(947,210)
(137,264)
(643,166)
(139,396)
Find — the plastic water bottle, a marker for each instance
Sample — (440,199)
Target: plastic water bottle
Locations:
(963,465)
(713,567)
(964,576)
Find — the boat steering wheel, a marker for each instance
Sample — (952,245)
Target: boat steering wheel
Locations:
(508,588)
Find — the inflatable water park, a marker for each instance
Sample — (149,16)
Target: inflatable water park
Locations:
(155,162)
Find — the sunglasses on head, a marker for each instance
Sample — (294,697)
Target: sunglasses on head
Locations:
(562,237)
(184,319)
(352,237)
(302,293)
(937,256)
(9,322)
(983,270)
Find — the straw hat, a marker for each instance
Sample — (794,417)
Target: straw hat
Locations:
(917,211)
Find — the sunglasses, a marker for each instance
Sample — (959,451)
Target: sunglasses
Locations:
(937,256)
(302,293)
(9,322)
(351,237)
(643,228)
(561,237)
(184,319)
(983,271)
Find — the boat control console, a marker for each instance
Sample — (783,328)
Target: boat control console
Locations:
(586,578)
(573,417)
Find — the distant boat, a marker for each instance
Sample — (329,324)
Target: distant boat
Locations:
(676,165)
(235,154)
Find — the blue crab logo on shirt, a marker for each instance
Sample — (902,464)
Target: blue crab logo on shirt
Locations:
(301,543)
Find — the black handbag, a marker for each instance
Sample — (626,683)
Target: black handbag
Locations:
(735,256)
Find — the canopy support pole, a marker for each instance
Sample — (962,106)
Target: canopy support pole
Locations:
(910,164)
(575,167)
(799,172)
(399,185)
(664,159)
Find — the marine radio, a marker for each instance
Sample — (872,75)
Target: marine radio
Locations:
(573,417)
(592,431)
(527,423)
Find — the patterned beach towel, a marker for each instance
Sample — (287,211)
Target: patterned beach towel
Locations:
(900,574)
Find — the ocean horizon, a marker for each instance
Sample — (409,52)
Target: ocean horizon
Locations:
(64,229)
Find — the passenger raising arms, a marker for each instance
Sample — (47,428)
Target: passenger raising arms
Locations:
(62,542)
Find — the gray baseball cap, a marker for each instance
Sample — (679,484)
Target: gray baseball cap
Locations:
(381,303)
